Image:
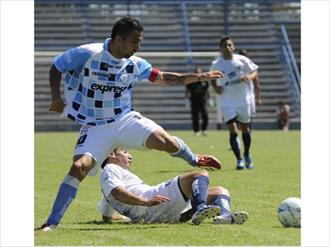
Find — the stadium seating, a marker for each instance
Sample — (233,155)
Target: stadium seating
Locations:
(172,26)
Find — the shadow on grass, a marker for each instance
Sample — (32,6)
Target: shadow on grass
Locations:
(115,226)
(101,222)
(173,171)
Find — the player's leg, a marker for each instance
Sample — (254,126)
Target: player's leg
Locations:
(234,142)
(230,118)
(220,196)
(195,116)
(68,189)
(92,147)
(162,141)
(194,185)
(205,117)
(244,117)
(247,139)
(138,131)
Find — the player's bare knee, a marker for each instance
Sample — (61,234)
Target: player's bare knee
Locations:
(80,168)
(245,128)
(200,173)
(222,190)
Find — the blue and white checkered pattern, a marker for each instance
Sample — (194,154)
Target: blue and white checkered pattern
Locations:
(98,86)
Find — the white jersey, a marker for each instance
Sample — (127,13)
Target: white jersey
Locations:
(113,176)
(235,92)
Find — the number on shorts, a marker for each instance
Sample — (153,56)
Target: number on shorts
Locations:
(81,139)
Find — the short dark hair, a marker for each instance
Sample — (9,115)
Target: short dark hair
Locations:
(106,159)
(243,52)
(224,39)
(125,26)
(104,162)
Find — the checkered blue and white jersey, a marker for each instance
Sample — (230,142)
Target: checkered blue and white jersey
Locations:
(98,86)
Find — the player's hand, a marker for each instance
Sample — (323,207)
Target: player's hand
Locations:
(244,79)
(156,200)
(258,101)
(211,75)
(218,89)
(57,105)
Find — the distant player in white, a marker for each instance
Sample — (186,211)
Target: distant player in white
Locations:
(99,79)
(165,202)
(234,96)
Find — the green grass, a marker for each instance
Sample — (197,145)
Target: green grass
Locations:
(276,176)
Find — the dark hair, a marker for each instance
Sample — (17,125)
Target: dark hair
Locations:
(224,39)
(243,52)
(106,159)
(104,162)
(125,26)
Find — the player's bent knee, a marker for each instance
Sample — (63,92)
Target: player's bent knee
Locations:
(222,190)
(201,173)
(81,167)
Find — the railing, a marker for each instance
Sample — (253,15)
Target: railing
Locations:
(286,46)
(186,32)
(292,70)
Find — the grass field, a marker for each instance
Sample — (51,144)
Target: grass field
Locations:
(276,176)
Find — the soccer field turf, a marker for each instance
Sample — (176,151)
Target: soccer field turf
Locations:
(276,176)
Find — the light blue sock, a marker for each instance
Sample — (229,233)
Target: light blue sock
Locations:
(223,201)
(199,192)
(185,152)
(67,192)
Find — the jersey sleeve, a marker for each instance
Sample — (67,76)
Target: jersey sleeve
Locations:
(111,178)
(72,59)
(146,71)
(249,66)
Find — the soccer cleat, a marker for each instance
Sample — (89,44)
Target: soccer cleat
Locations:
(248,162)
(208,211)
(197,133)
(238,217)
(187,215)
(208,162)
(46,228)
(240,165)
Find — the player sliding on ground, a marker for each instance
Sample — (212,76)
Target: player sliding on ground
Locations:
(99,79)
(165,202)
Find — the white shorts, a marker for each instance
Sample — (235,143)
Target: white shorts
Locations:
(167,212)
(243,113)
(130,131)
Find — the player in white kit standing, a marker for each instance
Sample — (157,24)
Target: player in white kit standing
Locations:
(234,97)
(99,78)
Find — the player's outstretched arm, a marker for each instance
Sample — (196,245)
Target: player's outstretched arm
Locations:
(124,196)
(57,104)
(170,78)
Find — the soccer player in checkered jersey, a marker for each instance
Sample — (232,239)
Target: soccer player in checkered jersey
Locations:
(98,84)
(234,97)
